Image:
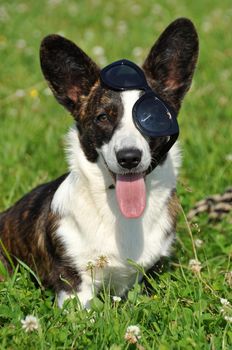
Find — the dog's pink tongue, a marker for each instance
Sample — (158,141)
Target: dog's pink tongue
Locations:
(131,195)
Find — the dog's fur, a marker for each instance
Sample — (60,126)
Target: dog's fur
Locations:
(70,231)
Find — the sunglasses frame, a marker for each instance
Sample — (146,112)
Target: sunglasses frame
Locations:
(172,130)
(124,62)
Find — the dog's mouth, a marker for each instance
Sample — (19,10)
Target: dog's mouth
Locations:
(131,194)
(130,191)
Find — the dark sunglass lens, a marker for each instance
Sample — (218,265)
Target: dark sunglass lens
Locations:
(153,116)
(123,76)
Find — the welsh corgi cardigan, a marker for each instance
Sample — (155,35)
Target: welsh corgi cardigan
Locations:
(71,231)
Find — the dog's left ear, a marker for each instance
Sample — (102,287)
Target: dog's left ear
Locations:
(68,70)
(171,61)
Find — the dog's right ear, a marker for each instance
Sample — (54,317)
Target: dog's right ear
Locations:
(69,71)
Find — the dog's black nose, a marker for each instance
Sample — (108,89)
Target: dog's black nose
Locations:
(129,158)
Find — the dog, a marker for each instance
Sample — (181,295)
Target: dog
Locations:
(81,230)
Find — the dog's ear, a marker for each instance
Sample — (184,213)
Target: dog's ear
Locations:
(171,61)
(68,70)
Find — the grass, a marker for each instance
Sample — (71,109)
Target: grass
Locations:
(184,310)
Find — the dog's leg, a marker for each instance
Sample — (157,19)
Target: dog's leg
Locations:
(62,296)
(85,294)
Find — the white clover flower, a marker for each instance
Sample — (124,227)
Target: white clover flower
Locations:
(228,318)
(116,299)
(226,310)
(21,44)
(136,9)
(30,323)
(157,9)
(224,302)
(198,242)
(195,265)
(20,93)
(122,27)
(73,9)
(132,334)
(207,26)
(98,50)
(137,51)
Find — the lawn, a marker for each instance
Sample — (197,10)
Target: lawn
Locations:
(186,309)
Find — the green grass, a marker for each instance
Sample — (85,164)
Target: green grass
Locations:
(183,311)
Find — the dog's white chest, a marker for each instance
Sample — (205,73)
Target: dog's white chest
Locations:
(101,243)
(105,254)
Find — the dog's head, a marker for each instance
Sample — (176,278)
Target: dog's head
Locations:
(104,116)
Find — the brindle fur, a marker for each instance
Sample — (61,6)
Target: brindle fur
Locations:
(174,62)
(27,232)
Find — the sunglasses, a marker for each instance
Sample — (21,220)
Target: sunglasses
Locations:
(151,115)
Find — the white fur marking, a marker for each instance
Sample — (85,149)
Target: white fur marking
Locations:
(127,136)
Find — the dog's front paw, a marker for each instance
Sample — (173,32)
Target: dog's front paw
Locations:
(83,297)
